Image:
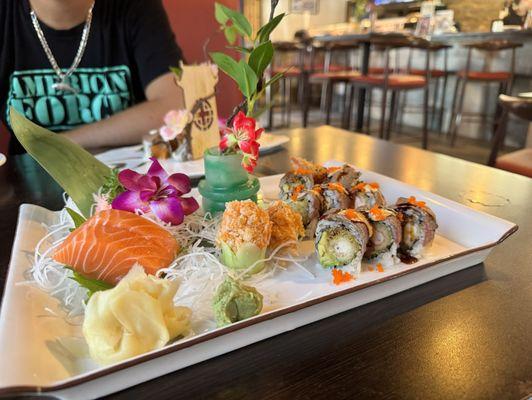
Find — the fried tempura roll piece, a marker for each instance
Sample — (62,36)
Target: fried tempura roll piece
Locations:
(341,239)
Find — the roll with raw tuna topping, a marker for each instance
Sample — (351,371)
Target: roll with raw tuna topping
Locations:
(387,232)
(336,197)
(341,239)
(366,195)
(418,223)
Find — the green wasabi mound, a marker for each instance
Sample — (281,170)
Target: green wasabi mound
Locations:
(235,302)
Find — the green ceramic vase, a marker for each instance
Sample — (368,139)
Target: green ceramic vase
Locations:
(225,180)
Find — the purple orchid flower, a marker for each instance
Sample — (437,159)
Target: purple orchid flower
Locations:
(156,192)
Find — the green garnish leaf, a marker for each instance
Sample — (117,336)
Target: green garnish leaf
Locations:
(92,285)
(76,218)
(77,171)
(112,186)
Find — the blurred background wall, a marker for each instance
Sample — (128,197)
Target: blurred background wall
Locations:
(193,24)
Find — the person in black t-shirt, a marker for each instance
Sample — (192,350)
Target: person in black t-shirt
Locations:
(96,70)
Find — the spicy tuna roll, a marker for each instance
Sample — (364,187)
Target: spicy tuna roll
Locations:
(418,224)
(387,232)
(308,204)
(336,197)
(341,239)
(366,195)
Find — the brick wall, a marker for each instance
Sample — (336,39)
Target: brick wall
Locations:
(475,15)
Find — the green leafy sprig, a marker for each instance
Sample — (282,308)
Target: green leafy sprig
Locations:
(248,72)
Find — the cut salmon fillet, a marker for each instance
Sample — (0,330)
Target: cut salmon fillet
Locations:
(108,244)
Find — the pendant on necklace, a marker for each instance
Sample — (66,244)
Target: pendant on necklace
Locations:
(62,85)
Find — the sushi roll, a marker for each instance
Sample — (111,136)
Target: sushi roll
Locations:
(341,239)
(335,196)
(366,195)
(418,224)
(308,204)
(387,232)
(319,172)
(295,181)
(344,175)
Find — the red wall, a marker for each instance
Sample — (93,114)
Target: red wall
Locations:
(193,23)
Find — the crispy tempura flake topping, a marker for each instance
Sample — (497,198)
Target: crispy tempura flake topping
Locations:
(245,222)
(287,225)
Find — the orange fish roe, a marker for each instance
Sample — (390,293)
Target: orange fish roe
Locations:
(298,189)
(351,214)
(370,268)
(303,171)
(412,200)
(374,185)
(360,186)
(377,214)
(336,186)
(341,277)
(380,268)
(330,170)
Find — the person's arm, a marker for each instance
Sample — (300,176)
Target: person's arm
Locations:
(154,50)
(128,126)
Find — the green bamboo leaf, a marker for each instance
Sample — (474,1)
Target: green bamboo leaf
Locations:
(261,57)
(76,218)
(219,14)
(248,86)
(265,32)
(228,65)
(240,22)
(77,171)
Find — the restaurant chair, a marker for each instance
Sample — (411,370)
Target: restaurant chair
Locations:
(503,78)
(289,60)
(519,162)
(332,74)
(437,76)
(388,81)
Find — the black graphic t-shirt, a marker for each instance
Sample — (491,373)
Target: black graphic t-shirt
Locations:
(130,44)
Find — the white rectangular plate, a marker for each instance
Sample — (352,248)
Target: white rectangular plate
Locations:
(42,352)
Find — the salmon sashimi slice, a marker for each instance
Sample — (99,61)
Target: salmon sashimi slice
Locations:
(108,244)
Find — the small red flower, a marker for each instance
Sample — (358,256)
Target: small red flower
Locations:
(243,135)
(250,147)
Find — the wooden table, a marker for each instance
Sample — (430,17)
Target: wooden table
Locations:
(464,336)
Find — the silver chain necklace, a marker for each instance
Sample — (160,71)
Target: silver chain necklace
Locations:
(63,78)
